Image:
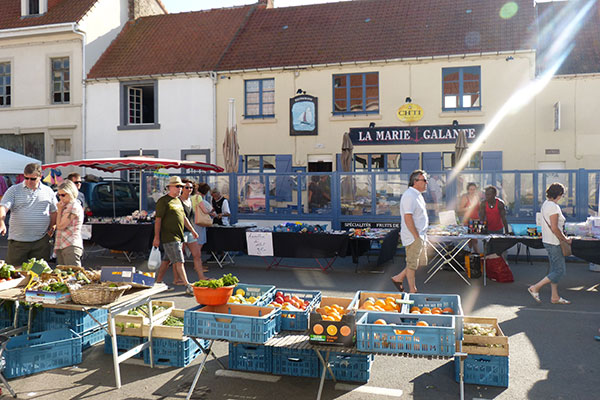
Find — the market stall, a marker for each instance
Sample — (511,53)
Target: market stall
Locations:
(133,237)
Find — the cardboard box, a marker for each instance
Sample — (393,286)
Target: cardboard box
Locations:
(333,332)
(361,296)
(166,332)
(485,345)
(13,283)
(133,325)
(41,296)
(126,274)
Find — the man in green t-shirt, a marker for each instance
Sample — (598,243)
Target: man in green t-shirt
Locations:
(168,230)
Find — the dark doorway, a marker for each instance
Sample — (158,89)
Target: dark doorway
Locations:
(320,166)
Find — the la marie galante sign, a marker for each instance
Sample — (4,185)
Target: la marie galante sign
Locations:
(433,134)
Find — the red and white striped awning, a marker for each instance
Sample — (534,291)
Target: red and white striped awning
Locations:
(135,163)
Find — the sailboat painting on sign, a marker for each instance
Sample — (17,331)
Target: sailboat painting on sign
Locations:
(303,115)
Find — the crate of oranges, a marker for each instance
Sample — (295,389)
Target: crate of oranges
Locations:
(443,304)
(333,322)
(378,301)
(427,335)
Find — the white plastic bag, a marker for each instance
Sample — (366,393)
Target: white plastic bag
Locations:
(154,259)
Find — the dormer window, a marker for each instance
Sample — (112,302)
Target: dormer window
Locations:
(33,7)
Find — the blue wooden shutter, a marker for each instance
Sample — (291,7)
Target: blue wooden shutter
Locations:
(409,162)
(338,162)
(432,161)
(491,160)
(283,188)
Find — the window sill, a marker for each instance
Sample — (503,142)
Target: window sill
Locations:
(259,121)
(138,127)
(462,113)
(356,117)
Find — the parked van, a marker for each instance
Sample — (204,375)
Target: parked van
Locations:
(110,198)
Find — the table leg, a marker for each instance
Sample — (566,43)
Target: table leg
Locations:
(200,368)
(323,374)
(115,348)
(212,354)
(461,374)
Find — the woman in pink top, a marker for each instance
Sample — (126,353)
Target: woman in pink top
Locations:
(68,244)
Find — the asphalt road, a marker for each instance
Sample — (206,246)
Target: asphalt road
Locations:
(552,351)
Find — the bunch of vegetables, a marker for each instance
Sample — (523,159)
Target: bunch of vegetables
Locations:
(8,272)
(29,264)
(143,310)
(479,329)
(225,280)
(173,321)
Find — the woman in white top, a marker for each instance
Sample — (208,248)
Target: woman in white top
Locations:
(552,235)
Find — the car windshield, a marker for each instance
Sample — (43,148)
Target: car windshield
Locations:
(123,192)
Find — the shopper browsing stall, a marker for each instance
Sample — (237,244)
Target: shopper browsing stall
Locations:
(68,244)
(168,230)
(412,232)
(33,217)
(552,236)
(189,240)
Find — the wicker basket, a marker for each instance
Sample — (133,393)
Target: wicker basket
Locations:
(98,294)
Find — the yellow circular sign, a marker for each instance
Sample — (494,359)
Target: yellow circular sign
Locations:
(410,112)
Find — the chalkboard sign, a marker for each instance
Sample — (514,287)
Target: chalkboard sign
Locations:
(259,243)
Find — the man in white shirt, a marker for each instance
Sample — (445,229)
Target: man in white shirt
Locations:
(412,232)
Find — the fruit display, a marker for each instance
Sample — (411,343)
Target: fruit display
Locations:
(8,272)
(431,310)
(479,329)
(332,312)
(239,298)
(388,304)
(382,321)
(289,303)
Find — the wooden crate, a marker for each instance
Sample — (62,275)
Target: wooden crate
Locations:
(166,332)
(133,325)
(473,344)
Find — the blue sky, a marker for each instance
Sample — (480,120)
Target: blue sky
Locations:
(175,6)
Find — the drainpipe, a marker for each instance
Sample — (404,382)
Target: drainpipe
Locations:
(213,76)
(84,99)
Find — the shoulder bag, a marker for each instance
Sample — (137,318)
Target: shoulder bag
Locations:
(564,246)
(201,218)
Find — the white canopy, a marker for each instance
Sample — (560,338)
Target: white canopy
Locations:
(14,163)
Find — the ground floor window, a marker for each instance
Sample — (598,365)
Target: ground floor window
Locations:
(377,162)
(449,160)
(31,144)
(260,163)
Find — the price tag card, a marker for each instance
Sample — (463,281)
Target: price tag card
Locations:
(260,243)
(38,268)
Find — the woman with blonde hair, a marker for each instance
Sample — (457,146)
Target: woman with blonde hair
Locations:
(68,244)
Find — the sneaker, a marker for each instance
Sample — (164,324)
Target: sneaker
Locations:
(189,290)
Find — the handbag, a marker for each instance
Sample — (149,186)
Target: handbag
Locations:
(564,246)
(201,218)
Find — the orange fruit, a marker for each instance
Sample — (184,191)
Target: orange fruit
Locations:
(404,332)
(436,310)
(448,310)
(318,329)
(327,309)
(331,330)
(390,299)
(415,308)
(369,307)
(380,322)
(422,323)
(425,309)
(339,309)
(345,330)
(327,318)
(380,303)
(426,312)
(379,308)
(415,312)
(389,307)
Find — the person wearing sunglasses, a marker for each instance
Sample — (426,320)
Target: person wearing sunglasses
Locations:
(33,208)
(169,225)
(68,244)
(76,179)
(415,221)
(190,241)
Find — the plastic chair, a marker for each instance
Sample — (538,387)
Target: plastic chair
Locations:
(3,342)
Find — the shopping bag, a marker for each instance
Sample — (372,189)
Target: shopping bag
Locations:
(201,218)
(154,259)
(498,270)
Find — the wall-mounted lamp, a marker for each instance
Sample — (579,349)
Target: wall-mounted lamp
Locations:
(372,125)
(300,91)
(510,58)
(408,100)
(455,123)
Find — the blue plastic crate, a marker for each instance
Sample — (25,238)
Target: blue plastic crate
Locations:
(251,357)
(174,352)
(350,367)
(484,370)
(438,300)
(37,352)
(264,293)
(78,321)
(232,322)
(404,337)
(295,362)
(91,337)
(124,344)
(298,320)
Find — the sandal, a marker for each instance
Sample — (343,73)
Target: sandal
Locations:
(561,301)
(535,295)
(399,285)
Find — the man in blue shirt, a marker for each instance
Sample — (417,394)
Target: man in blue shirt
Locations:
(33,217)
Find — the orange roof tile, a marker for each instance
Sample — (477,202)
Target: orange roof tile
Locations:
(59,11)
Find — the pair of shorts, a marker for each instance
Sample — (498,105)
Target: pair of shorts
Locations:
(70,255)
(173,252)
(188,237)
(416,254)
(19,252)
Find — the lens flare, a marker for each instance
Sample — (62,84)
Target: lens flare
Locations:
(509,10)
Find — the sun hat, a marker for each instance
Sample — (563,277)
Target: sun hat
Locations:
(174,181)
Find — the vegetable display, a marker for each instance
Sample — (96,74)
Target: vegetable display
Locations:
(225,280)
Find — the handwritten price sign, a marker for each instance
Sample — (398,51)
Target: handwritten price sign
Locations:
(260,243)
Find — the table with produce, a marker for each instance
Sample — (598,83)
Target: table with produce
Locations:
(67,310)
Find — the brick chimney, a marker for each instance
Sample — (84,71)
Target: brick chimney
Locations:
(266,3)
(143,8)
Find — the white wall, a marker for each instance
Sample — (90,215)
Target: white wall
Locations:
(185,115)
(101,26)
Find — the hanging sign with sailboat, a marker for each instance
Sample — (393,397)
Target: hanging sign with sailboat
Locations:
(303,115)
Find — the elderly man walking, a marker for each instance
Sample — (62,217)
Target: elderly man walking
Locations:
(168,230)
(412,231)
(32,220)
